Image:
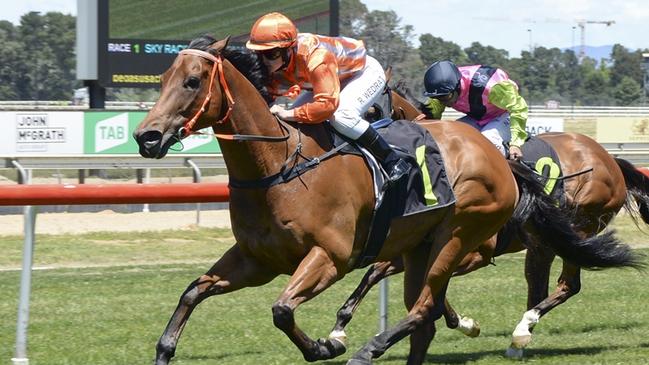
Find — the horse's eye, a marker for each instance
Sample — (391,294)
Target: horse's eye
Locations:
(192,82)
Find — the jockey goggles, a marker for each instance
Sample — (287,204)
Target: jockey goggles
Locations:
(271,54)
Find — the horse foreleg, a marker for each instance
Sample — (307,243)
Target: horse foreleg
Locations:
(233,271)
(374,274)
(538,262)
(315,273)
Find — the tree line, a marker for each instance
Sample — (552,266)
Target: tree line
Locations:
(542,74)
(37,61)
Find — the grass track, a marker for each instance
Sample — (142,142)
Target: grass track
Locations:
(114,314)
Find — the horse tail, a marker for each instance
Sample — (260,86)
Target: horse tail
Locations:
(637,185)
(552,225)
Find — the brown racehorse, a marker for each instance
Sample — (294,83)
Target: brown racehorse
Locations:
(593,199)
(314,226)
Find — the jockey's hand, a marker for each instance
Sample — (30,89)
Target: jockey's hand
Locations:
(281,112)
(515,153)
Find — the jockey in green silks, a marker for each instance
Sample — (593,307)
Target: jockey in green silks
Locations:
(486,95)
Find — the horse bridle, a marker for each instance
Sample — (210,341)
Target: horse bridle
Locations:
(217,66)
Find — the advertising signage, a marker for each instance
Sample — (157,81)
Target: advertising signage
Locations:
(137,40)
(66,133)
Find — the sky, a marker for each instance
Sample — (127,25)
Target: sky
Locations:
(513,25)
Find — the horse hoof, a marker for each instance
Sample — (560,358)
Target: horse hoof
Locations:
(521,341)
(336,346)
(340,336)
(469,327)
(330,348)
(514,353)
(161,361)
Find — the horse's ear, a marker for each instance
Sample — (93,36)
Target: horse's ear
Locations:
(388,74)
(220,45)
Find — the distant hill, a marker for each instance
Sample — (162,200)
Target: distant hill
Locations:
(596,53)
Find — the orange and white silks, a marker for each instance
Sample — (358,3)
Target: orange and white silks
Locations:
(319,64)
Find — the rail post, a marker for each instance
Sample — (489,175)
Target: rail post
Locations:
(20,354)
(146,180)
(383,305)
(197,178)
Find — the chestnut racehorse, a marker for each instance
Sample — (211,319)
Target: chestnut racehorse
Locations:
(313,227)
(592,198)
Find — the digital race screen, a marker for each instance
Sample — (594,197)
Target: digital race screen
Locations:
(139,39)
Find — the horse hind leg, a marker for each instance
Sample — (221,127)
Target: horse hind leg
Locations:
(468,326)
(569,284)
(232,272)
(374,275)
(477,259)
(538,262)
(414,279)
(474,260)
(425,285)
(381,270)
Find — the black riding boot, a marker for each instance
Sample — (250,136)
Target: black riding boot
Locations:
(395,166)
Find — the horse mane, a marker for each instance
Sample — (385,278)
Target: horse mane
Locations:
(246,62)
(402,89)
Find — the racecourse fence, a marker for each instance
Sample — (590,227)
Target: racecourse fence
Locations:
(30,195)
(141,167)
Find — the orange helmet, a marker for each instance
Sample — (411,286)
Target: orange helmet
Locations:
(273,30)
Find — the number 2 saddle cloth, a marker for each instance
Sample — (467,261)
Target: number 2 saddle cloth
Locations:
(541,157)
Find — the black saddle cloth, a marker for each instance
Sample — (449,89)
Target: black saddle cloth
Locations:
(542,158)
(425,188)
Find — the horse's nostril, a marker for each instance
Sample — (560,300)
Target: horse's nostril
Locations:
(150,139)
(149,144)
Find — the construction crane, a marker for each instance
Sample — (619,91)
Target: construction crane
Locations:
(580,22)
(582,29)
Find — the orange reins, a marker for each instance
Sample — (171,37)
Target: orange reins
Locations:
(216,66)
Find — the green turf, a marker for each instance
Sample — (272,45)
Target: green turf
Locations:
(110,248)
(115,314)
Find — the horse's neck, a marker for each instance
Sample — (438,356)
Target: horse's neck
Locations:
(401,103)
(248,160)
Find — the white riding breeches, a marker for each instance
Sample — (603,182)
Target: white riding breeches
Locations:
(498,131)
(356,97)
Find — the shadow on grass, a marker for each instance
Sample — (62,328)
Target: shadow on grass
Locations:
(590,350)
(559,331)
(468,357)
(216,356)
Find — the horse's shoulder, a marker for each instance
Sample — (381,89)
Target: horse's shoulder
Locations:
(568,141)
